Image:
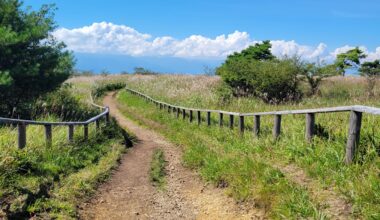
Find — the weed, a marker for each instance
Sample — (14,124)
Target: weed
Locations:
(157,168)
(220,154)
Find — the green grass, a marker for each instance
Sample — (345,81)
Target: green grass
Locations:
(243,164)
(157,169)
(52,180)
(245,177)
(323,160)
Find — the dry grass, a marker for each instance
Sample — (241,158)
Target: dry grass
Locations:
(200,91)
(322,161)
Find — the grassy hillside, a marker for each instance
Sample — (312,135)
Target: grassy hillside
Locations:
(51,181)
(248,166)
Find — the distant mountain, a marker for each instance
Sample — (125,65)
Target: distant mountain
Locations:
(117,63)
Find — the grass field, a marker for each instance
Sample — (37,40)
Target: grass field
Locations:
(248,166)
(51,181)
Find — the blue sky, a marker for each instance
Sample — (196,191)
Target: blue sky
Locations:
(306,23)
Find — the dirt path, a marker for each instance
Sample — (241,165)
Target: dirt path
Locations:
(130,195)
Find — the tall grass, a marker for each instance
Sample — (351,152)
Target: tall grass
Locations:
(244,164)
(30,177)
(100,89)
(50,181)
(157,169)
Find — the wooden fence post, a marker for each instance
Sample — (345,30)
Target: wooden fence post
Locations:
(48,135)
(108,117)
(277,126)
(199,119)
(241,124)
(169,109)
(177,113)
(21,135)
(220,119)
(160,105)
(232,121)
(85,132)
(97,122)
(353,136)
(183,114)
(310,126)
(71,133)
(256,125)
(191,115)
(208,118)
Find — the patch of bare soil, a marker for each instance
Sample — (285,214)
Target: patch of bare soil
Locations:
(130,195)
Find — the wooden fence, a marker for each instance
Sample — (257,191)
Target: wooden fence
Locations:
(22,125)
(353,133)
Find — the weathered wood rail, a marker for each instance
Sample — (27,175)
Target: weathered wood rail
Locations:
(22,126)
(354,124)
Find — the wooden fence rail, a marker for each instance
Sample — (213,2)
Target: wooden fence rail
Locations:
(354,124)
(22,125)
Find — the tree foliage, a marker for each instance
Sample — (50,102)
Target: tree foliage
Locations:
(259,51)
(349,59)
(235,71)
(255,71)
(370,70)
(276,81)
(143,71)
(32,62)
(314,73)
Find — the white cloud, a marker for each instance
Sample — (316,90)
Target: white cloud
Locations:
(373,55)
(110,38)
(282,48)
(120,39)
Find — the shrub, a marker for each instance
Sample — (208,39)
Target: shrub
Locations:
(63,104)
(238,75)
(314,73)
(224,94)
(236,71)
(143,71)
(370,70)
(255,71)
(274,81)
(100,89)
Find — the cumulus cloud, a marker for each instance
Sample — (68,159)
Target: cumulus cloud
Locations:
(120,39)
(282,48)
(371,56)
(110,38)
